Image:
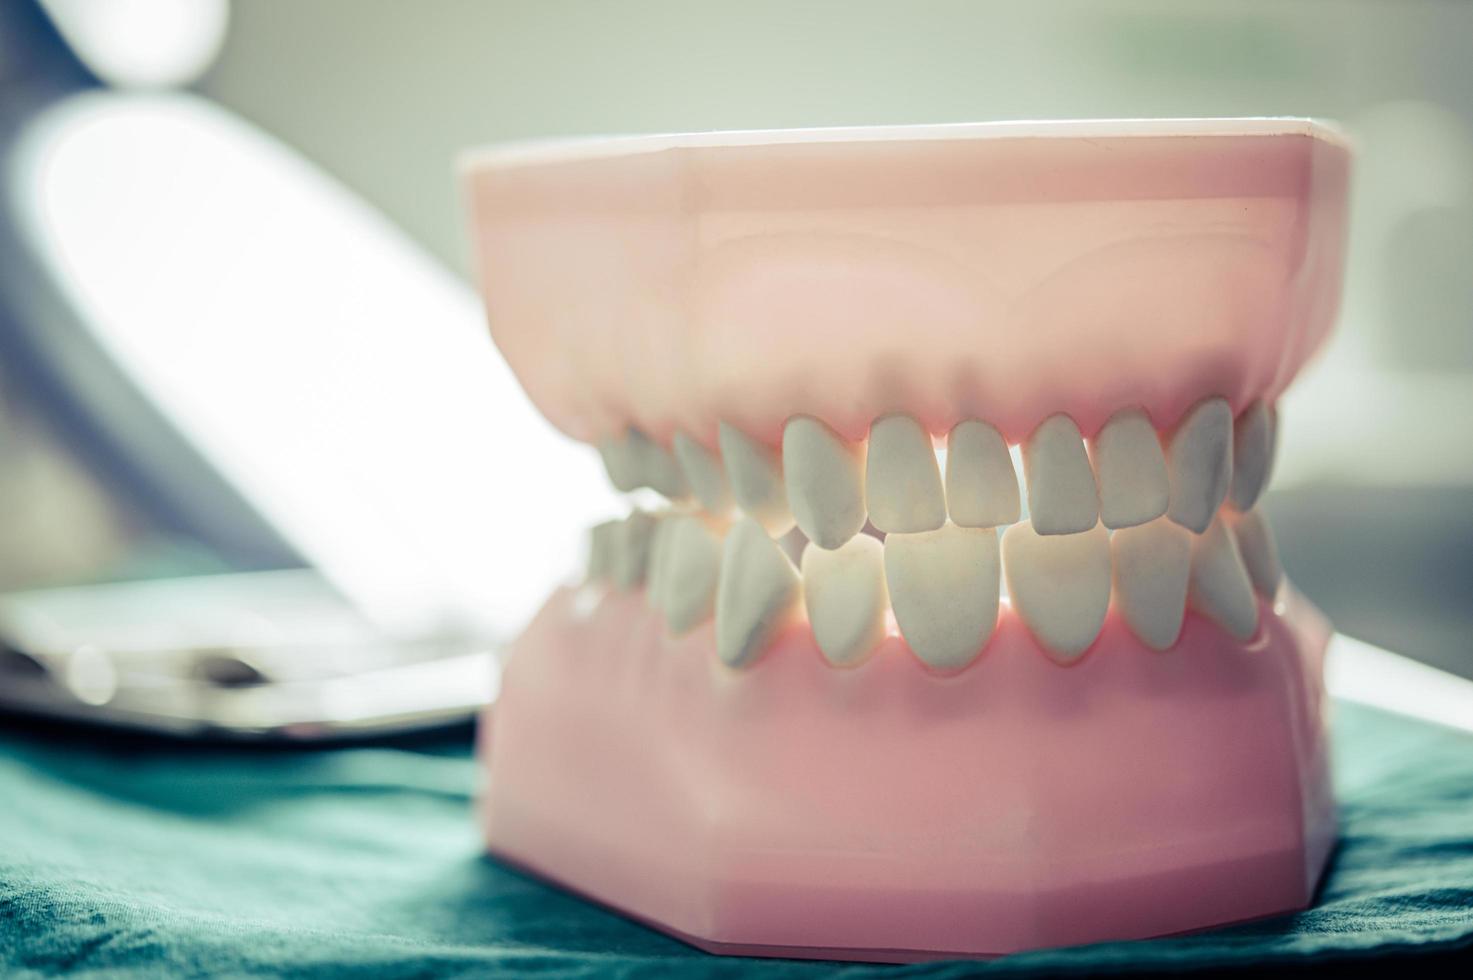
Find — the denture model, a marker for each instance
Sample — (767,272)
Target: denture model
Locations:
(848,691)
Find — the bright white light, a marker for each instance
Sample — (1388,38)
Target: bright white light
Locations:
(1356,671)
(142,43)
(321,361)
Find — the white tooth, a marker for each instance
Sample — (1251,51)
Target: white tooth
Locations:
(1255,435)
(756,479)
(692,568)
(632,549)
(1131,470)
(703,473)
(981,486)
(825,482)
(658,558)
(902,481)
(1259,553)
(844,591)
(757,594)
(655,467)
(601,547)
(1220,589)
(944,590)
(1200,464)
(1062,498)
(1060,585)
(620,462)
(1151,564)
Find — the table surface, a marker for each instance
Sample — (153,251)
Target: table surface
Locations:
(123,853)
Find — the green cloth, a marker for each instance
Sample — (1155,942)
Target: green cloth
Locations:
(126,854)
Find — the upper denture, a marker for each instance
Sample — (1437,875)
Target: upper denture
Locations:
(1001,272)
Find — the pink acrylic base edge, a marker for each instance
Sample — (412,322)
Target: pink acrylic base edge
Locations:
(888,814)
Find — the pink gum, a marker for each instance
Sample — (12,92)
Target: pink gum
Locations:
(1002,277)
(888,813)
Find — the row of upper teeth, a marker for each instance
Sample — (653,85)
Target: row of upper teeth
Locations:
(942,585)
(829,486)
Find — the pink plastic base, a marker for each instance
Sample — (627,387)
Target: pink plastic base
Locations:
(887,813)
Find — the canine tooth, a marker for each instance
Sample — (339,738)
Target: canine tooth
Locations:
(692,566)
(1062,498)
(620,462)
(902,480)
(756,479)
(825,482)
(844,592)
(944,590)
(655,467)
(757,593)
(1259,553)
(1060,585)
(1200,464)
(981,486)
(1131,470)
(1219,588)
(703,474)
(632,549)
(1151,563)
(1255,434)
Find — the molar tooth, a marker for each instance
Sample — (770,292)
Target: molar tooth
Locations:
(632,549)
(1219,588)
(1259,553)
(1060,585)
(756,479)
(1062,498)
(902,480)
(655,467)
(844,591)
(692,566)
(1200,463)
(1151,565)
(601,547)
(620,462)
(944,590)
(824,477)
(758,592)
(1255,435)
(655,566)
(703,474)
(1131,470)
(981,487)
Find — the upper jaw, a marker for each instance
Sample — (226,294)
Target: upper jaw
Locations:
(1006,274)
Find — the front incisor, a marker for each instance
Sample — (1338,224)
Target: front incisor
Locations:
(981,485)
(1062,498)
(1060,585)
(902,481)
(846,598)
(944,590)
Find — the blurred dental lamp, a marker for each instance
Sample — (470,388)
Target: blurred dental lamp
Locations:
(256,357)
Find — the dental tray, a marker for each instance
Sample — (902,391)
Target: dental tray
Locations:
(849,687)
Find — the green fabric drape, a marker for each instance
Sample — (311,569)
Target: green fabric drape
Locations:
(123,854)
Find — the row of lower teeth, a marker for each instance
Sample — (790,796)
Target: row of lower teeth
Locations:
(829,486)
(943,584)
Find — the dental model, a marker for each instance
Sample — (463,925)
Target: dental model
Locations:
(850,693)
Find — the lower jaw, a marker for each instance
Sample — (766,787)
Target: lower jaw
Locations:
(886,812)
